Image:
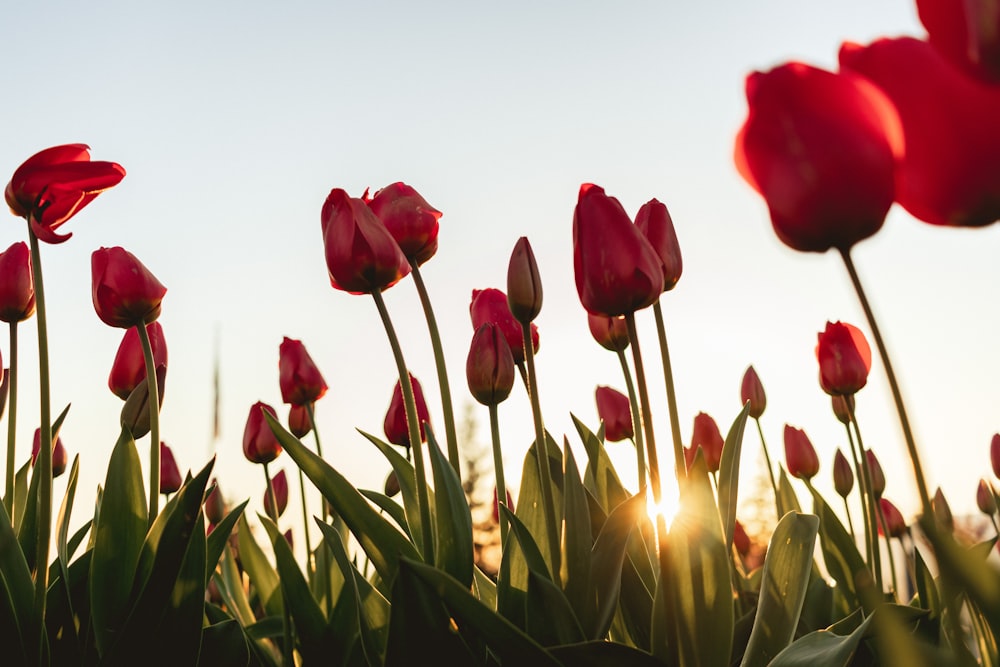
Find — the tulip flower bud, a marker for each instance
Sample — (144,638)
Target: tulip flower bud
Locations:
(800,455)
(875,471)
(986,498)
(489,368)
(615,411)
(125,292)
(843,406)
(844,358)
(17,287)
(895,525)
(752,390)
(129,368)
(843,476)
(653,220)
(490,305)
(411,221)
(705,434)
(280,485)
(496,504)
(995,454)
(59,456)
(135,412)
(259,443)
(740,539)
(298,421)
(395,425)
(215,505)
(524,285)
(391,487)
(610,332)
(300,379)
(170,474)
(942,511)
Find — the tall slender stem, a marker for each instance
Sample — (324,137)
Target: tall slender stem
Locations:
(498,472)
(633,401)
(897,397)
(864,493)
(874,507)
(413,428)
(43,466)
(286,618)
(668,376)
(442,371)
(11,421)
(544,475)
(154,423)
(770,469)
(850,523)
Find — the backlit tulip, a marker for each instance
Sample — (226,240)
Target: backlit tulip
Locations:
(300,379)
(280,485)
(895,524)
(844,358)
(489,368)
(361,255)
(170,474)
(949,173)
(705,434)
(259,443)
(995,454)
(395,425)
(412,222)
(524,285)
(966,33)
(821,149)
(125,292)
(843,476)
(215,505)
(876,473)
(129,367)
(53,185)
(298,421)
(496,504)
(17,288)
(654,221)
(615,411)
(490,305)
(986,498)
(610,332)
(800,455)
(752,390)
(59,456)
(617,270)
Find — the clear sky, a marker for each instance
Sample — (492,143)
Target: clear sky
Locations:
(234,120)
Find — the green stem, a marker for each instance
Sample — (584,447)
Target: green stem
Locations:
(897,397)
(892,561)
(154,423)
(864,493)
(498,472)
(305,526)
(645,418)
(874,507)
(11,423)
(668,377)
(442,370)
(770,469)
(286,618)
(413,426)
(323,560)
(43,466)
(544,476)
(633,401)
(850,523)
(996,527)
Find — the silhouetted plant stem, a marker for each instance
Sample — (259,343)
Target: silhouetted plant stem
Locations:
(498,472)
(11,423)
(154,423)
(873,504)
(850,523)
(442,370)
(770,469)
(668,376)
(864,493)
(633,401)
(286,619)
(413,428)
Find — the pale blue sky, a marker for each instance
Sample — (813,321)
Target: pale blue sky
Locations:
(234,120)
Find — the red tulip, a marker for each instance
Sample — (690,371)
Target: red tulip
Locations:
(129,367)
(490,305)
(524,285)
(259,443)
(300,380)
(800,456)
(752,390)
(894,523)
(995,454)
(843,476)
(395,425)
(361,255)
(53,185)
(170,474)
(966,33)
(705,434)
(489,368)
(298,421)
(17,288)
(821,148)
(409,218)
(875,472)
(125,292)
(617,270)
(949,173)
(615,411)
(496,504)
(215,505)
(986,498)
(740,539)
(59,456)
(653,220)
(280,485)
(610,332)
(844,358)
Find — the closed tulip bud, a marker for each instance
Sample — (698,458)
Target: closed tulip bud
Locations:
(895,525)
(135,411)
(17,287)
(844,359)
(125,292)
(617,270)
(524,285)
(298,421)
(705,434)
(740,539)
(490,305)
(995,454)
(300,379)
(843,476)
(496,504)
(59,456)
(610,332)
(215,505)
(411,221)
(489,367)
(129,368)
(280,485)
(653,220)
(259,443)
(395,425)
(615,411)
(942,511)
(391,487)
(361,255)
(170,474)
(752,390)
(986,498)
(843,406)
(800,455)
(875,471)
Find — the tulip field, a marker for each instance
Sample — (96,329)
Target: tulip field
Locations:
(589,571)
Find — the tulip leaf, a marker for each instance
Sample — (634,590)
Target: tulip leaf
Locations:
(787,567)
(17,615)
(407,478)
(223,644)
(262,575)
(607,561)
(218,539)
(62,533)
(636,602)
(20,495)
(27,529)
(389,506)
(118,533)
(927,590)
(530,507)
(841,556)
(484,588)
(729,475)
(600,476)
(383,543)
(530,550)
(347,618)
(549,616)
(577,540)
(787,500)
(824,648)
(453,522)
(516,563)
(602,653)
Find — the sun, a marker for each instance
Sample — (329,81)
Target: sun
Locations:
(668,506)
